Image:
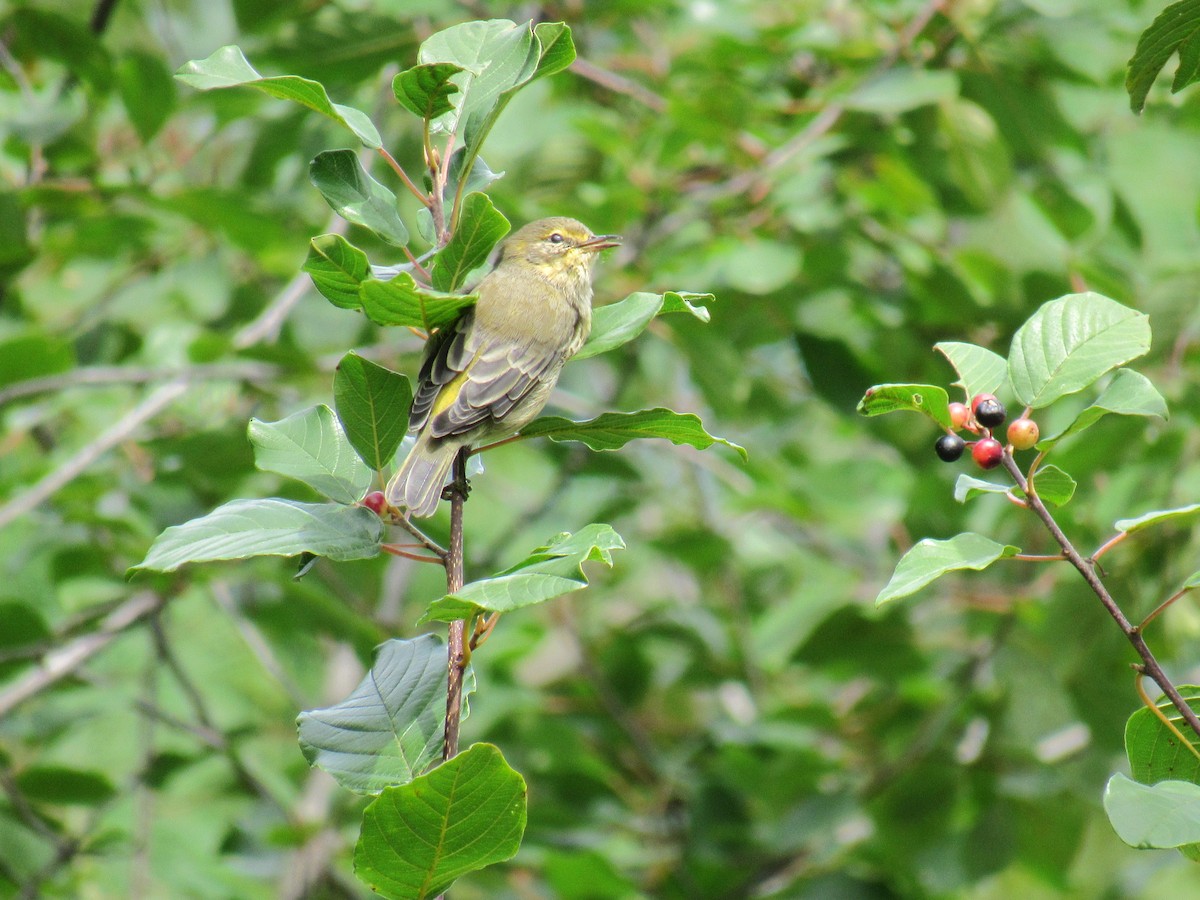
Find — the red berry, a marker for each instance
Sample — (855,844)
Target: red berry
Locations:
(1023,433)
(987,453)
(959,414)
(979,398)
(375,502)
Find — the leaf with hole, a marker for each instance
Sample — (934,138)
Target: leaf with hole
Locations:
(928,399)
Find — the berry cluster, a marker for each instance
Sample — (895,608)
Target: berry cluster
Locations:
(984,414)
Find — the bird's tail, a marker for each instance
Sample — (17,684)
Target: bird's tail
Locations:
(417,487)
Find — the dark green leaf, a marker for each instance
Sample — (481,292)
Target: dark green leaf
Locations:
(356,196)
(1154,751)
(548,572)
(618,323)
(1070,342)
(337,269)
(310,446)
(611,431)
(426,90)
(1054,485)
(147,91)
(1161,816)
(417,839)
(1176,29)
(228,67)
(271,527)
(372,404)
(923,398)
(389,729)
(929,560)
(58,784)
(401,302)
(480,226)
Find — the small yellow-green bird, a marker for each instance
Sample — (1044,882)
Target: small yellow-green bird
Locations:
(491,373)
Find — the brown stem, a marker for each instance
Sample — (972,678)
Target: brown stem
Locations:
(408,182)
(1161,607)
(1149,664)
(458,651)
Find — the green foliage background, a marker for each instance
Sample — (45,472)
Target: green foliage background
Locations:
(724,714)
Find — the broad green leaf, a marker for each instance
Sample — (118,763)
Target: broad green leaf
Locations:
(1163,815)
(480,226)
(557,48)
(356,196)
(310,446)
(1175,30)
(900,89)
(548,572)
(228,67)
(1155,754)
(968,488)
(59,784)
(929,399)
(372,404)
(930,560)
(1070,342)
(416,839)
(980,371)
(337,269)
(1054,485)
(426,90)
(611,431)
(1157,517)
(390,728)
(618,323)
(270,527)
(1129,394)
(400,301)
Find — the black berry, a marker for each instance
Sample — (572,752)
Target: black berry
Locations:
(989,412)
(949,447)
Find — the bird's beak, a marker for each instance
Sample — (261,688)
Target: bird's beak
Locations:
(599,242)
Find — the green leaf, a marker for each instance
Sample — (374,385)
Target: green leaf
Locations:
(147,91)
(311,446)
(929,399)
(1054,485)
(968,488)
(618,323)
(1161,816)
(557,48)
(1158,517)
(337,269)
(1175,30)
(372,404)
(480,226)
(548,572)
(930,560)
(58,784)
(900,89)
(390,728)
(400,301)
(1129,394)
(1070,342)
(356,196)
(418,838)
(426,90)
(271,527)
(980,371)
(1154,752)
(228,67)
(611,431)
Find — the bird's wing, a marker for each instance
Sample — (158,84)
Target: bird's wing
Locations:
(469,379)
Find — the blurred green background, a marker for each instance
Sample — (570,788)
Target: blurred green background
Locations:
(724,714)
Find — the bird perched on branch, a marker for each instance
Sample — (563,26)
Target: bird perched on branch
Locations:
(490,374)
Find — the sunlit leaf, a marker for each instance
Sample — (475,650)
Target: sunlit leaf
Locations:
(929,560)
(1129,394)
(356,196)
(1157,517)
(310,446)
(980,371)
(618,323)
(1163,815)
(929,399)
(400,301)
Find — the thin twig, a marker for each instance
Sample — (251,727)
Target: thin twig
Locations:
(1162,606)
(64,661)
(408,182)
(458,651)
(619,84)
(1152,668)
(1139,674)
(1109,544)
(95,376)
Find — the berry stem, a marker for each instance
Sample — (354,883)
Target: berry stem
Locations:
(1149,664)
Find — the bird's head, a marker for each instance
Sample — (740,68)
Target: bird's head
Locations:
(555,247)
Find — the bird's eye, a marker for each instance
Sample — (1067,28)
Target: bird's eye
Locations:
(555,238)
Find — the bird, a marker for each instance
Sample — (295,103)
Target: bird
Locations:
(490,373)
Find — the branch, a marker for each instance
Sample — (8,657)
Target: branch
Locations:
(58,664)
(1150,665)
(619,84)
(91,376)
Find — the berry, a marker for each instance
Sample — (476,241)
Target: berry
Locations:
(949,447)
(1023,433)
(375,502)
(987,453)
(989,412)
(959,415)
